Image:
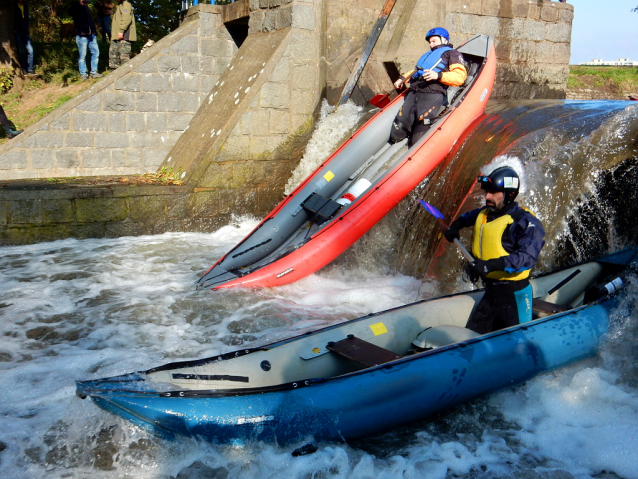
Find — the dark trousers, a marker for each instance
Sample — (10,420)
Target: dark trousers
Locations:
(25,51)
(414,117)
(104,21)
(502,306)
(4,121)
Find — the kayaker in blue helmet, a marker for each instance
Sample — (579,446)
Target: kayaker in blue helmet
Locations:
(435,71)
(507,241)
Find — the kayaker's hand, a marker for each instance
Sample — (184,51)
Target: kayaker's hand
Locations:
(473,271)
(430,75)
(399,83)
(480,268)
(452,233)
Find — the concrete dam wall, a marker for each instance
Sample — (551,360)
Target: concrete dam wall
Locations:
(224,106)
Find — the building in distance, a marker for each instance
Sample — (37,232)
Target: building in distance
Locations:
(621,62)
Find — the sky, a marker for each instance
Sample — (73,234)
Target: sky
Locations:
(604,29)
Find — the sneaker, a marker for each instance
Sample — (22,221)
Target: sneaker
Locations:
(84,77)
(13,133)
(31,74)
(96,75)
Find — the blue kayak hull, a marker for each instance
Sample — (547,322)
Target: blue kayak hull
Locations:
(366,402)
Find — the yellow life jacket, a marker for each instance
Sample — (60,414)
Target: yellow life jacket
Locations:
(487,244)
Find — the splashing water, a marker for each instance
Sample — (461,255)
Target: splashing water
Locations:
(333,127)
(94,308)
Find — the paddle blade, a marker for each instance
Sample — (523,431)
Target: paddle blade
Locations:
(380,101)
(433,211)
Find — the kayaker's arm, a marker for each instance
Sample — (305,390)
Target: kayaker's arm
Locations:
(463,221)
(405,77)
(529,234)
(455,76)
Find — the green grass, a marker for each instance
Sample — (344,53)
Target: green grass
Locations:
(56,64)
(43,110)
(612,79)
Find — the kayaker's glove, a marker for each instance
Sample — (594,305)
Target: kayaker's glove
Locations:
(453,232)
(480,268)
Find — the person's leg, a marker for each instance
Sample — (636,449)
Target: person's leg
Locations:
(515,307)
(95,53)
(427,108)
(482,316)
(107,26)
(114,54)
(100,24)
(506,314)
(524,304)
(4,121)
(82,43)
(125,51)
(22,52)
(29,48)
(402,124)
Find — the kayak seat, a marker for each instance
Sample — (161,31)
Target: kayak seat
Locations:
(453,91)
(443,335)
(361,351)
(320,209)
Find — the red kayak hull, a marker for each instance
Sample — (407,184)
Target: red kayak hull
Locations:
(336,237)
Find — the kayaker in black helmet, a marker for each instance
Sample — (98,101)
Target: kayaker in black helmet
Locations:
(506,244)
(437,69)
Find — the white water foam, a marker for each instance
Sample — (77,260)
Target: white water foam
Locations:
(86,309)
(333,127)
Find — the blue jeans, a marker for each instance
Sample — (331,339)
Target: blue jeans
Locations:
(25,51)
(105,25)
(82,42)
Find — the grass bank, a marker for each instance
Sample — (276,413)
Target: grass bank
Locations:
(57,80)
(616,80)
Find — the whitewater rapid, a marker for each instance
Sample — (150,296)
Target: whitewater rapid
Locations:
(94,308)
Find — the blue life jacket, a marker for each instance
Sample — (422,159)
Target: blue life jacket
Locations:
(429,59)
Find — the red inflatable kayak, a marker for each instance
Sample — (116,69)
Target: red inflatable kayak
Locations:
(353,189)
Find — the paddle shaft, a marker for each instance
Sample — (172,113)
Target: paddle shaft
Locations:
(462,248)
(381,100)
(367,50)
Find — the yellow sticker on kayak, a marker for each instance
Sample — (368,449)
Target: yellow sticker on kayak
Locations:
(328,176)
(378,329)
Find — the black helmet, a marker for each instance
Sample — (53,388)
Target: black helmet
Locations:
(503,179)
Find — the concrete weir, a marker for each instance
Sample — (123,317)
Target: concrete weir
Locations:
(211,120)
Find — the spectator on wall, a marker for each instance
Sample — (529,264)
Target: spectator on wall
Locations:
(21,25)
(4,121)
(123,28)
(104,9)
(85,36)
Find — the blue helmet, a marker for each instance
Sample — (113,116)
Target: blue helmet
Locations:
(437,32)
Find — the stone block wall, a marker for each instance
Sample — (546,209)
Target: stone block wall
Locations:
(127,122)
(532,39)
(532,47)
(270,136)
(252,130)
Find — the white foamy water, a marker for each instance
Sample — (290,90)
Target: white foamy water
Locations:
(94,308)
(333,127)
